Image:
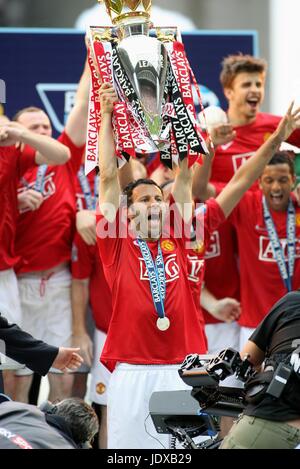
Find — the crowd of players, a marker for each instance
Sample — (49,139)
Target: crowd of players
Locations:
(52,277)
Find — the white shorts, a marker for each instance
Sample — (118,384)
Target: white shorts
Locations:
(100,375)
(245,333)
(10,307)
(129,423)
(219,337)
(47,310)
(222,335)
(9,297)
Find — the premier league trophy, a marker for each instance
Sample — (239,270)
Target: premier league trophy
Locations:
(151,74)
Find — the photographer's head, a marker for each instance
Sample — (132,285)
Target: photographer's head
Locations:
(80,418)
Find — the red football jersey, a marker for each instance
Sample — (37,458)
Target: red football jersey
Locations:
(86,264)
(133,336)
(221,267)
(44,237)
(196,268)
(13,164)
(229,157)
(261,283)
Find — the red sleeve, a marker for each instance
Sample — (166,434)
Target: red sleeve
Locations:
(208,218)
(110,237)
(26,160)
(242,207)
(82,258)
(76,152)
(214,216)
(294,139)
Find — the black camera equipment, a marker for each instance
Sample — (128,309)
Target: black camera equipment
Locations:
(188,414)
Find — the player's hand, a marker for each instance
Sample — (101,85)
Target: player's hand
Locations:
(108,97)
(30,199)
(222,134)
(227,310)
(86,226)
(67,359)
(11,133)
(289,123)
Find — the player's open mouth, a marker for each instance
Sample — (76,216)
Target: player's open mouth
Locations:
(253,102)
(276,197)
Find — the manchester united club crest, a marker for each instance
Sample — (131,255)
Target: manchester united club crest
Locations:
(199,247)
(168,246)
(100,388)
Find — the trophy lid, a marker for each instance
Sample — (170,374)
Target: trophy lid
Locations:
(124,12)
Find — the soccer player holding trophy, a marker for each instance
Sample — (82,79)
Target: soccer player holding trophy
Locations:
(146,105)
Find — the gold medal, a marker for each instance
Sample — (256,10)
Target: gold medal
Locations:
(163,324)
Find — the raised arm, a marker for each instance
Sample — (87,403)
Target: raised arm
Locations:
(48,150)
(250,171)
(109,190)
(182,190)
(76,125)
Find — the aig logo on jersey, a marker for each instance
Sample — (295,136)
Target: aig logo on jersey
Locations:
(238,160)
(195,268)
(171,268)
(266,251)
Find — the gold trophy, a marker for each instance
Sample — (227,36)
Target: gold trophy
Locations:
(124,11)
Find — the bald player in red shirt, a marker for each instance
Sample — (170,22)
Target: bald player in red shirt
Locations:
(154,319)
(44,239)
(20,149)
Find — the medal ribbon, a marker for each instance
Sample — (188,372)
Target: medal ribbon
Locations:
(90,201)
(286,269)
(157,276)
(40,178)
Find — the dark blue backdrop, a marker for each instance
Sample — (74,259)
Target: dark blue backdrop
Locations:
(42,67)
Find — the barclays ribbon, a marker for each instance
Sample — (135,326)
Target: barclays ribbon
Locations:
(91,201)
(286,269)
(40,178)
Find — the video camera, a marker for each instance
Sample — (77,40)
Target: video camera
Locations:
(204,378)
(188,414)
